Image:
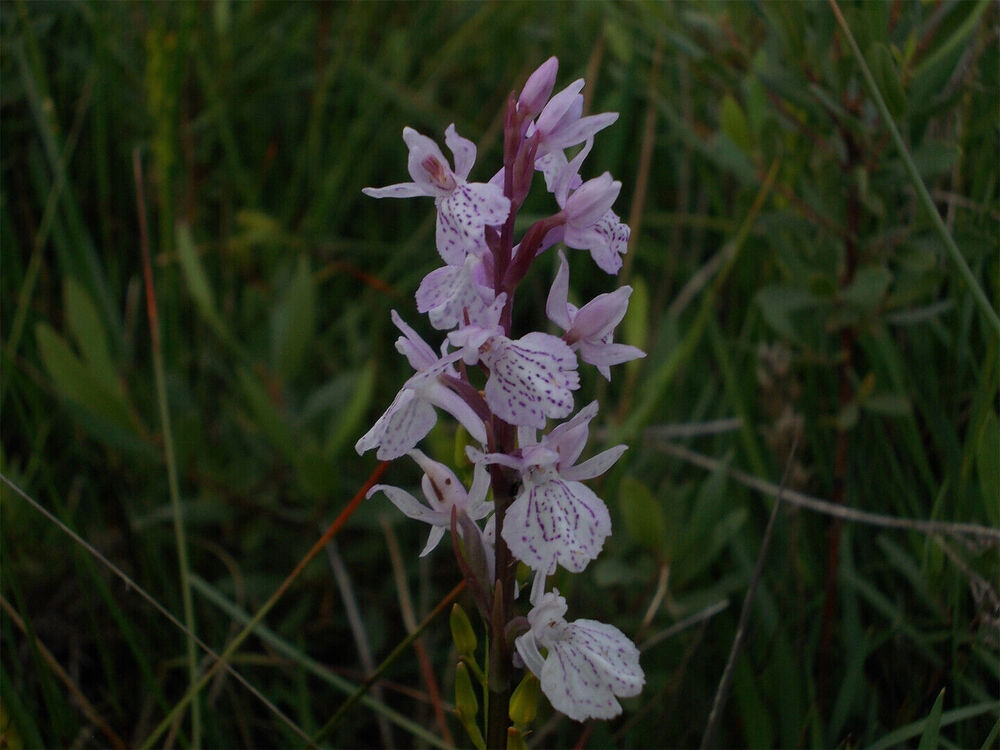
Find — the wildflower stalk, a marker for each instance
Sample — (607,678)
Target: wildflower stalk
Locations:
(541,513)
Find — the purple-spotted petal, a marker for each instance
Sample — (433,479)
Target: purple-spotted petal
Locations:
(464,151)
(551,165)
(404,424)
(556,522)
(462,216)
(588,665)
(607,242)
(530,379)
(451,293)
(414,348)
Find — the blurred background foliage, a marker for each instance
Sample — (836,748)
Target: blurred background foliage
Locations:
(786,280)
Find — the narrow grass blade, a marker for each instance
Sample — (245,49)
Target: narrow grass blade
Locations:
(918,184)
(314,667)
(330,533)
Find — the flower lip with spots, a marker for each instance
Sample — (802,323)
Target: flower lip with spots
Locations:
(589,664)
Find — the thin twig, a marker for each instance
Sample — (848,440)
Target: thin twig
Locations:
(79,698)
(708,740)
(358,631)
(691,429)
(946,528)
(710,611)
(331,532)
(410,621)
(386,663)
(640,191)
(131,585)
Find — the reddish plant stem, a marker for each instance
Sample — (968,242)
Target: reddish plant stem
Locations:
(848,337)
(503,479)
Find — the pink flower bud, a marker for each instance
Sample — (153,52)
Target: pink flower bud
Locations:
(538,88)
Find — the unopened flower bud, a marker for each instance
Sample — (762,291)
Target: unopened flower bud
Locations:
(524,701)
(467,705)
(538,88)
(462,632)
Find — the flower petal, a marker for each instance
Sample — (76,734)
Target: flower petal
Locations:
(599,317)
(464,151)
(415,349)
(594,466)
(399,190)
(407,503)
(530,379)
(555,305)
(445,398)
(554,521)
(427,165)
(569,438)
(450,293)
(590,665)
(462,216)
(404,424)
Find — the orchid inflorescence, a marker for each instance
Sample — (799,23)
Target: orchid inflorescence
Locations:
(541,513)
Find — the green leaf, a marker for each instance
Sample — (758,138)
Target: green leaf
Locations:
(934,70)
(635,326)
(347,425)
(266,417)
(734,123)
(779,303)
(197,282)
(295,322)
(467,706)
(79,383)
(988,462)
(889,404)
(644,520)
(886,75)
(930,739)
(866,290)
(85,325)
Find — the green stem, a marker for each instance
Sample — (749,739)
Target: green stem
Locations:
(918,184)
(168,449)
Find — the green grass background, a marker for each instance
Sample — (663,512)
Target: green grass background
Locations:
(785,274)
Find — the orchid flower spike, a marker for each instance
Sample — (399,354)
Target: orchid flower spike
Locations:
(464,209)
